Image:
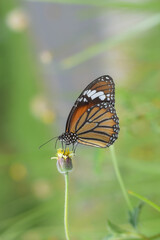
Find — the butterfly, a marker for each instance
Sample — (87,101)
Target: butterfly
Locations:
(92,120)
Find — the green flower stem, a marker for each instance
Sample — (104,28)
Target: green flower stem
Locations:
(66,207)
(115,164)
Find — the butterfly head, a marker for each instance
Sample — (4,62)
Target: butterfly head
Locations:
(68,138)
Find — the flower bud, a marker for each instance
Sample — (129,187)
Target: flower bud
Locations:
(64,160)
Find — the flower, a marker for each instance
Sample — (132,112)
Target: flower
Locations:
(41,188)
(46,57)
(17,20)
(18,172)
(64,160)
(41,109)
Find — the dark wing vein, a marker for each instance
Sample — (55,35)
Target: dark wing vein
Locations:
(82,123)
(96,139)
(102,133)
(99,117)
(89,143)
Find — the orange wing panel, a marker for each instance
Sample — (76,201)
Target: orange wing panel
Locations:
(76,115)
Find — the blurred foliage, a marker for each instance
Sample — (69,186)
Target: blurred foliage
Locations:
(142,6)
(31,203)
(108,44)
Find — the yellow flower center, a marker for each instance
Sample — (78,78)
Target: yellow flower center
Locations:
(61,153)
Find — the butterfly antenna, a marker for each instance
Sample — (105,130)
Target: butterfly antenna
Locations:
(56,143)
(48,142)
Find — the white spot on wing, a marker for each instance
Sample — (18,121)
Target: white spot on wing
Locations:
(85,92)
(91,93)
(88,91)
(102,97)
(85,100)
(98,94)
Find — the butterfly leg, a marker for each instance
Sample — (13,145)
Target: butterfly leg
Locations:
(73,150)
(62,145)
(74,147)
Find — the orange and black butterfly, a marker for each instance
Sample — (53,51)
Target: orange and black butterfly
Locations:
(93,120)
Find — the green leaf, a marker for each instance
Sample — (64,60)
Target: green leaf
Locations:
(113,228)
(108,237)
(134,215)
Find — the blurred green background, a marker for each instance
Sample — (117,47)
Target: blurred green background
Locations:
(38,85)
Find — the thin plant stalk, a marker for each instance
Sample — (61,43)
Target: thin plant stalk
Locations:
(119,178)
(66,207)
(153,205)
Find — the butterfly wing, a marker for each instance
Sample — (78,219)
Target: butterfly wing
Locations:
(101,90)
(98,126)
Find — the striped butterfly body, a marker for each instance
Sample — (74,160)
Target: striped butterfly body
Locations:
(93,120)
